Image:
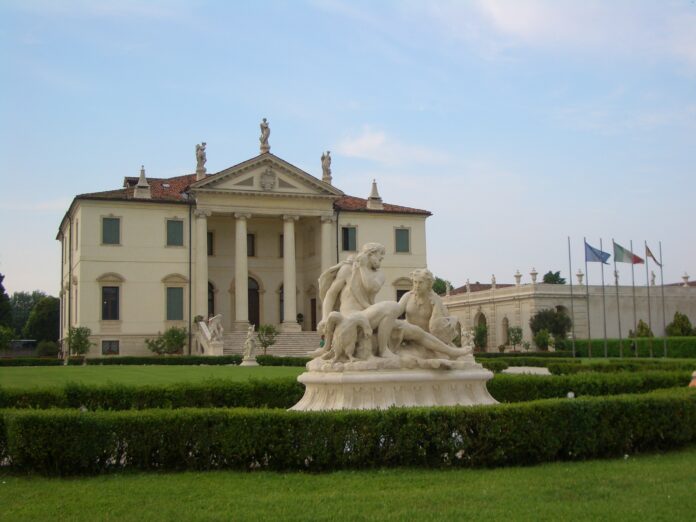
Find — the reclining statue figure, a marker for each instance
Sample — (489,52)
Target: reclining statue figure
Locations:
(350,315)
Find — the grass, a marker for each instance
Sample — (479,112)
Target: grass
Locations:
(652,487)
(45,376)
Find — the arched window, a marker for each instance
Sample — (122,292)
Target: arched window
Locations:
(254,302)
(281,301)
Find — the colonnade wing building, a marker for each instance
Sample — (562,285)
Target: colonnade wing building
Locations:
(248,242)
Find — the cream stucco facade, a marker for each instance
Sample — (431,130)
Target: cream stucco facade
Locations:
(506,306)
(232,242)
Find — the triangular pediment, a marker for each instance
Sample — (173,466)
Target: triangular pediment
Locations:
(266,174)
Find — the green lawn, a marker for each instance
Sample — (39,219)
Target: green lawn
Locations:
(45,376)
(654,487)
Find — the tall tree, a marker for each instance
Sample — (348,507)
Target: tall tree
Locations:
(22,304)
(555,322)
(440,286)
(553,278)
(44,321)
(5,307)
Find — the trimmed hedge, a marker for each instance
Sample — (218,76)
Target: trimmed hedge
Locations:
(520,388)
(551,355)
(274,360)
(614,366)
(285,392)
(60,442)
(175,360)
(677,347)
(31,361)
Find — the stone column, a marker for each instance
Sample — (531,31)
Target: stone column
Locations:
(241,274)
(289,276)
(201,281)
(327,259)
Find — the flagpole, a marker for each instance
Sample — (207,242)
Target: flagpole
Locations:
(572,310)
(618,304)
(635,316)
(587,299)
(647,286)
(662,289)
(604,303)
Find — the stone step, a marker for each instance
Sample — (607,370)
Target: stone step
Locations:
(288,344)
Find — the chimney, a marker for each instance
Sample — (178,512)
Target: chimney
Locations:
(142,189)
(374,202)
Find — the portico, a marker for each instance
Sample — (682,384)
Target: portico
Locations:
(267,222)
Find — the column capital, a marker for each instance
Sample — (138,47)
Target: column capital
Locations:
(328,219)
(202,213)
(242,215)
(290,217)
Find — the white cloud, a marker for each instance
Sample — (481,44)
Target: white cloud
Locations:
(376,145)
(636,30)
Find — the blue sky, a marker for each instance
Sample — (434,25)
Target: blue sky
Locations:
(517,123)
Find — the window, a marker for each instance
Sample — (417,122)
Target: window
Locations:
(251,245)
(281,246)
(399,295)
(109,347)
(175,304)
(211,300)
(111,231)
(402,240)
(77,233)
(110,303)
(211,244)
(175,232)
(348,234)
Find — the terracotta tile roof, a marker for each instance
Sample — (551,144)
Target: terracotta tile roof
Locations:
(479,287)
(161,189)
(172,189)
(353,204)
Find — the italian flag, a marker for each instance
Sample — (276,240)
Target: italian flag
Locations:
(623,255)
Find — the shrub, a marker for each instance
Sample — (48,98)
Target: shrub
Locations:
(514,336)
(642,330)
(267,336)
(494,365)
(172,341)
(6,335)
(480,336)
(680,326)
(78,340)
(47,349)
(60,442)
(542,339)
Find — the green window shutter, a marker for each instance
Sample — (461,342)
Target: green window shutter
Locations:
(349,243)
(175,232)
(111,231)
(403,240)
(175,304)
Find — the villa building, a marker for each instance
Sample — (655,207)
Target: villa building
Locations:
(247,243)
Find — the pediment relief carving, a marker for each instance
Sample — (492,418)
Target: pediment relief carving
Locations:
(111,277)
(174,279)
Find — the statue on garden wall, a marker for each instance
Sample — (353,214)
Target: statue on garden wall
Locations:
(362,334)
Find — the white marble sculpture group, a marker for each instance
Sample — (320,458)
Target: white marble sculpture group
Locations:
(363,335)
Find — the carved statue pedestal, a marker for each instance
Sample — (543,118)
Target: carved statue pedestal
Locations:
(380,389)
(215,348)
(249,361)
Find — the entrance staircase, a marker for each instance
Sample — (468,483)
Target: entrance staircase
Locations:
(288,344)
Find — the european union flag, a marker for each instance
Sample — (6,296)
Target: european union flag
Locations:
(594,255)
